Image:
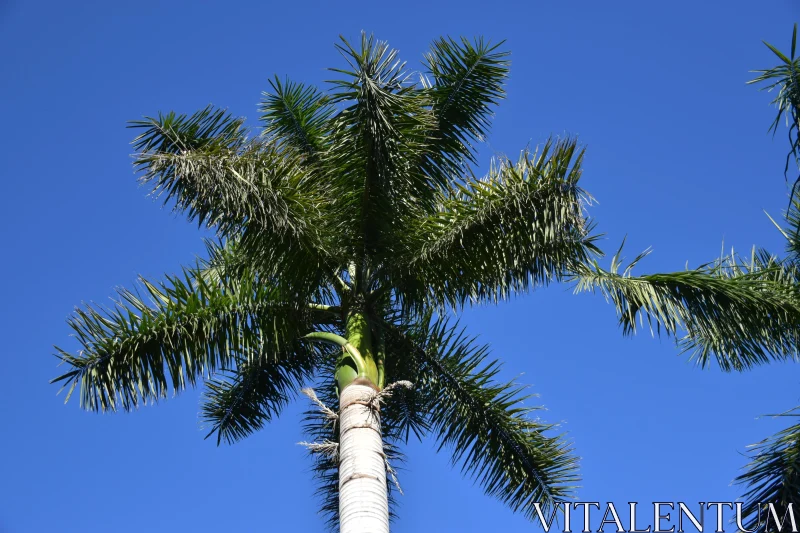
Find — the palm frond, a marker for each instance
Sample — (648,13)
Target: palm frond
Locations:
(224,261)
(466,81)
(739,313)
(254,187)
(785,77)
(522,226)
(242,400)
(486,424)
(167,336)
(321,428)
(378,140)
(792,231)
(771,477)
(405,413)
(212,171)
(248,190)
(172,133)
(298,115)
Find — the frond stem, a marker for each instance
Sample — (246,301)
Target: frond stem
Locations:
(338,340)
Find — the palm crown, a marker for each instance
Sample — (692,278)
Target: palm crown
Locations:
(346,230)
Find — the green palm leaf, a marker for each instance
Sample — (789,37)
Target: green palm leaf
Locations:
(248,190)
(772,476)
(174,334)
(791,232)
(485,424)
(785,77)
(239,402)
(298,115)
(740,314)
(522,226)
(466,82)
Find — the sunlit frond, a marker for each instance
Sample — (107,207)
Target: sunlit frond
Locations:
(520,227)
(466,82)
(739,313)
(297,115)
(248,190)
(168,336)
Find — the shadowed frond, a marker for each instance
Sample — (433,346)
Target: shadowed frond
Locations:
(173,334)
(323,428)
(224,262)
(239,402)
(521,226)
(740,313)
(298,115)
(486,424)
(466,81)
(772,476)
(405,412)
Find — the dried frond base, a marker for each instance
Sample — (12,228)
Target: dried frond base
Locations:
(327,448)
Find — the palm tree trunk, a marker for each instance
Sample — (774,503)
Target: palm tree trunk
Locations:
(363,498)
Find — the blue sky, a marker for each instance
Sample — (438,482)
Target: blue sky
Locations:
(678,157)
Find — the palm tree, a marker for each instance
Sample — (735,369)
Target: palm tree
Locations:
(347,232)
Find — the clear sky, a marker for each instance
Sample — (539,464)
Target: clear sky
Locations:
(678,157)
